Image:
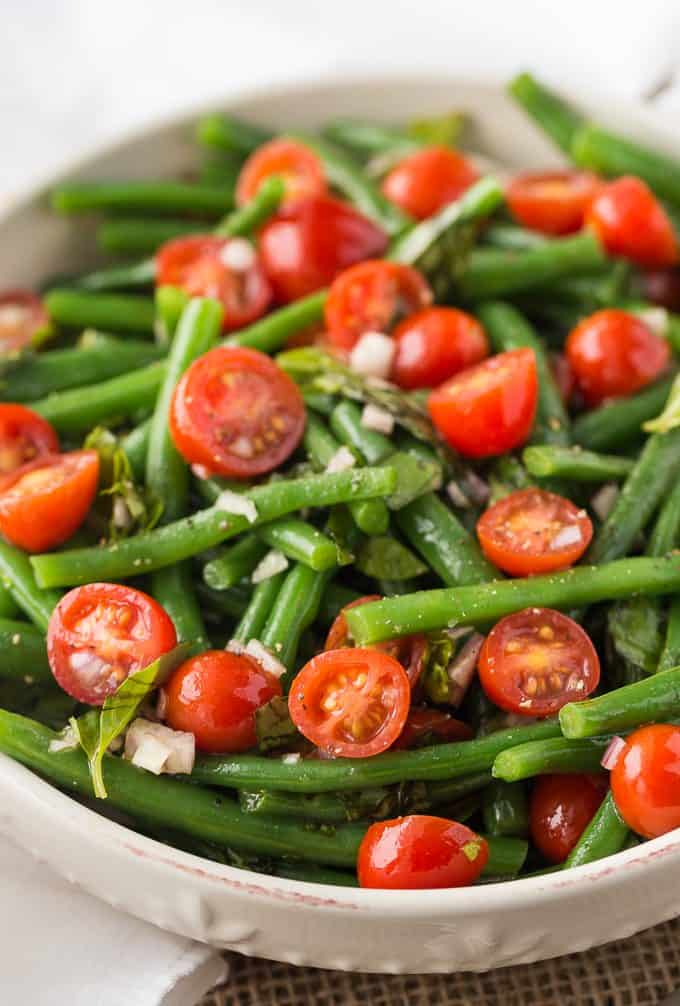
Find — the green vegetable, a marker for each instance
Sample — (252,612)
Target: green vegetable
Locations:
(554,755)
(272,332)
(549,460)
(24,656)
(605,834)
(145,197)
(655,699)
(295,609)
(18,580)
(614,425)
(670,416)
(247,218)
(609,154)
(548,110)
(137,276)
(506,810)
(301,542)
(234,562)
(116,312)
(140,235)
(385,558)
(225,132)
(121,508)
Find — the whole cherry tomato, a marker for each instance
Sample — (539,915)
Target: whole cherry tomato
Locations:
(434,344)
(631,222)
(561,807)
(645,780)
(427,180)
(299,167)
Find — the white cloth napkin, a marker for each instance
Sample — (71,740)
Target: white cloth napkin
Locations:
(74,74)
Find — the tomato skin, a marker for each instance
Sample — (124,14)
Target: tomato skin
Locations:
(22,315)
(298,166)
(535,661)
(45,501)
(235,412)
(563,375)
(24,436)
(434,344)
(631,222)
(518,534)
(552,202)
(560,809)
(120,629)
(351,703)
(662,286)
(419,852)
(197,265)
(613,354)
(645,780)
(489,408)
(427,726)
(370,297)
(427,180)
(306,245)
(214,696)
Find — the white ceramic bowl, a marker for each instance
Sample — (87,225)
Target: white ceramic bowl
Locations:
(380,931)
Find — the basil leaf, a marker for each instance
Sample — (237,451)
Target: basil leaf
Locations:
(122,508)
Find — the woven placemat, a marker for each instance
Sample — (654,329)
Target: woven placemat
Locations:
(640,971)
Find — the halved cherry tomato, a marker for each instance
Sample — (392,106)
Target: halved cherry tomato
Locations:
(410,651)
(560,809)
(427,180)
(214,696)
(534,531)
(227,269)
(535,661)
(101,633)
(552,202)
(351,703)
(306,245)
(662,286)
(631,222)
(426,726)
(236,413)
(612,354)
(419,852)
(372,296)
(22,315)
(563,375)
(24,436)
(45,501)
(293,162)
(488,409)
(434,344)
(645,780)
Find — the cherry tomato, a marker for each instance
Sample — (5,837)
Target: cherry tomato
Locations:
(427,180)
(662,286)
(630,222)
(645,780)
(45,501)
(489,408)
(306,245)
(419,852)
(351,703)
(613,354)
(236,413)
(293,162)
(410,651)
(101,633)
(369,297)
(563,375)
(226,269)
(434,344)
(552,202)
(561,807)
(534,531)
(427,726)
(535,661)
(22,315)
(214,696)
(24,436)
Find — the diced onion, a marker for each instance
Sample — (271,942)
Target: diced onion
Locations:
(292,759)
(238,255)
(373,354)
(341,461)
(655,318)
(67,740)
(456,495)
(373,418)
(604,499)
(461,670)
(569,535)
(159,749)
(237,504)
(613,753)
(274,562)
(265,657)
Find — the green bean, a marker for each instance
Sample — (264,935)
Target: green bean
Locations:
(609,154)
(335,598)
(301,542)
(556,755)
(508,330)
(234,562)
(144,197)
(221,168)
(170,302)
(605,834)
(345,423)
(506,856)
(550,460)
(506,810)
(445,762)
(8,607)
(136,444)
(18,580)
(345,175)
(255,616)
(654,699)
(98,359)
(552,114)
(138,275)
(140,235)
(512,238)
(665,533)
(24,654)
(653,473)
(78,409)
(614,425)
(246,219)
(173,588)
(295,609)
(225,132)
(494,273)
(168,802)
(271,333)
(429,610)
(433,530)
(117,312)
(370,138)
(670,654)
(233,602)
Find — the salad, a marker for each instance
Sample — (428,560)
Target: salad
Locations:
(340,522)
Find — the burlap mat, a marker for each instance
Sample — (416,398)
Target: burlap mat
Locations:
(640,971)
